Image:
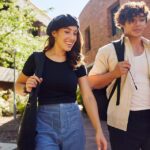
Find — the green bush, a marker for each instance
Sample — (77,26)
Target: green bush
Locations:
(79,97)
(21,105)
(7,103)
(80,100)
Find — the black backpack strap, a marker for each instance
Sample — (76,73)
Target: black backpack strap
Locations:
(113,90)
(39,59)
(119,48)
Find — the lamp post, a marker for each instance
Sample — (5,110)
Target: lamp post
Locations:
(14,84)
(14,106)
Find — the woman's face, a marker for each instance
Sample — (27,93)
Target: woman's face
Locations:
(65,38)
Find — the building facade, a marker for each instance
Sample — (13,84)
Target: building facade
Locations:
(97,26)
(42,19)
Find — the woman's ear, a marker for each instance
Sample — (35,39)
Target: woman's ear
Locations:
(54,34)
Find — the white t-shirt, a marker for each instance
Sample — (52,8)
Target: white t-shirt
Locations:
(139,70)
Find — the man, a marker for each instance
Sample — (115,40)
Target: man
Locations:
(128,122)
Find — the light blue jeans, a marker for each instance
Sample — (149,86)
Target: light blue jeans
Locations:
(60,127)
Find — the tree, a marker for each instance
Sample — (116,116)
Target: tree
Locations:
(15,33)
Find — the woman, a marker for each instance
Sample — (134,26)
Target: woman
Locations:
(59,122)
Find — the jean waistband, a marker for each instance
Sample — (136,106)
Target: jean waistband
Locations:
(57,107)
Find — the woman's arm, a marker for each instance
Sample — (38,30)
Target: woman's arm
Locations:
(92,110)
(24,84)
(20,84)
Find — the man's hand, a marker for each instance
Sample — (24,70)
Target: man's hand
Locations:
(121,68)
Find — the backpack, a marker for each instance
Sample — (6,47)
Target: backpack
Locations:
(27,129)
(100,94)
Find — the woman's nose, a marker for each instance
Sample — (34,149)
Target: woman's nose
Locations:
(72,36)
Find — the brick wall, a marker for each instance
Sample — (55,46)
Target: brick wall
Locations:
(96,15)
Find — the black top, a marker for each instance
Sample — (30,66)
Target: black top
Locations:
(59,80)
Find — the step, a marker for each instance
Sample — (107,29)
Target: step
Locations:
(8,146)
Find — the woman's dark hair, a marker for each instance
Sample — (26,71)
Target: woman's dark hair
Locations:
(74,56)
(130,10)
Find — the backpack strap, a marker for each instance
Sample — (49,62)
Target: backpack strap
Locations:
(39,60)
(119,48)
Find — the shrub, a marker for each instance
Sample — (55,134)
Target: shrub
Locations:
(80,100)
(7,103)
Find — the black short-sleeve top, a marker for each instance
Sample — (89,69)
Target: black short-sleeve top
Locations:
(59,83)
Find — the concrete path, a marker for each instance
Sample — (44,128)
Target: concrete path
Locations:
(7,146)
(90,134)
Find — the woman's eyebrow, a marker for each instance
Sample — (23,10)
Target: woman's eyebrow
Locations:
(70,28)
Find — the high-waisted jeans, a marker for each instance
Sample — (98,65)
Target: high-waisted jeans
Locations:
(60,127)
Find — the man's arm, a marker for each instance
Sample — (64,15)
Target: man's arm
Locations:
(101,80)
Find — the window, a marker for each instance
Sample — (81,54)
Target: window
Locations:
(87,39)
(115,30)
(38,29)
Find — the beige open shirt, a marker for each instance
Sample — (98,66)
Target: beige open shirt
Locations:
(106,61)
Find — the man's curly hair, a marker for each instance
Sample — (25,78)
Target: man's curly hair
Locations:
(130,10)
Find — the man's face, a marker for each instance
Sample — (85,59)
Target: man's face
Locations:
(136,27)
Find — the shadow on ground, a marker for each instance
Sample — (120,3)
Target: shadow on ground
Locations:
(9,129)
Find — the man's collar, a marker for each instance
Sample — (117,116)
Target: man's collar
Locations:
(145,40)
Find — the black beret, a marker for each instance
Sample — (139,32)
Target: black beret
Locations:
(62,21)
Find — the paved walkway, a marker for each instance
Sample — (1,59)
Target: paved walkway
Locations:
(7,146)
(89,131)
(90,135)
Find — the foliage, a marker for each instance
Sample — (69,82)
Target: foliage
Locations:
(21,103)
(79,97)
(80,100)
(7,103)
(16,26)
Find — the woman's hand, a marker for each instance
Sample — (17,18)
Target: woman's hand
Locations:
(32,82)
(101,141)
